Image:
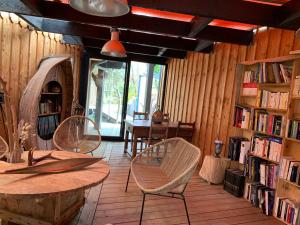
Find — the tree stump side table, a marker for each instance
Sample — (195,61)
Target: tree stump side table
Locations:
(213,169)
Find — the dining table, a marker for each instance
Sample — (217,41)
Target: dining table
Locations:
(46,199)
(140,129)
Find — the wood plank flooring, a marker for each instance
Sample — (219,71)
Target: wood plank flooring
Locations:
(208,204)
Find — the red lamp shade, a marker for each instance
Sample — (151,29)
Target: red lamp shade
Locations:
(114,47)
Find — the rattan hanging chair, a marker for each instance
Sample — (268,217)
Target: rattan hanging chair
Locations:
(165,168)
(77,134)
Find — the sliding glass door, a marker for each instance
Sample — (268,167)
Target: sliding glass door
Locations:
(105,95)
(145,87)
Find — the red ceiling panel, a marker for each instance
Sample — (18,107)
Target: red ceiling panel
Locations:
(161,14)
(269,2)
(233,25)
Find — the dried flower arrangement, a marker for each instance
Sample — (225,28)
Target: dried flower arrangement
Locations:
(18,134)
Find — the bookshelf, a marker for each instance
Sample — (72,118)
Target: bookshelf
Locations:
(47,99)
(262,99)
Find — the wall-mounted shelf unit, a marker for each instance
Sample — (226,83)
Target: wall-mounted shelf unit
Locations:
(274,113)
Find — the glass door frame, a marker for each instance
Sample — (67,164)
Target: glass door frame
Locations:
(84,86)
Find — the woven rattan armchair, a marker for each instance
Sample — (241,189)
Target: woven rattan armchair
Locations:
(77,134)
(164,169)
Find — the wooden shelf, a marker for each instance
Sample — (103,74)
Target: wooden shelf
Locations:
(273,135)
(49,114)
(282,220)
(295,97)
(289,182)
(272,60)
(276,85)
(246,129)
(249,96)
(50,93)
(292,139)
(264,158)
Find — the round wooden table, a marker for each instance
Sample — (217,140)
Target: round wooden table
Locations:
(46,199)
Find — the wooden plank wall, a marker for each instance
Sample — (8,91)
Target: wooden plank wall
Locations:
(22,48)
(201,88)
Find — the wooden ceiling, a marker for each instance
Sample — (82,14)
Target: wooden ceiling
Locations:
(160,29)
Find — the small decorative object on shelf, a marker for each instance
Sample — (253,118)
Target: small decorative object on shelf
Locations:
(158,115)
(218,148)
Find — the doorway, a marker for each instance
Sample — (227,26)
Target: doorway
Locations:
(105,95)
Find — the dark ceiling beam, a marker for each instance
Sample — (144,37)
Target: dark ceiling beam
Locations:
(136,49)
(18,6)
(211,33)
(220,34)
(85,30)
(204,46)
(95,53)
(233,10)
(61,11)
(162,51)
(198,24)
(289,15)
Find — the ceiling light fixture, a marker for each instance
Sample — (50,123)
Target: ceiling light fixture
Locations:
(105,8)
(114,47)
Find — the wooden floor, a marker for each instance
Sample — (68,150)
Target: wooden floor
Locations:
(208,204)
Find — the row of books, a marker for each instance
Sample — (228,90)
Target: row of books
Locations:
(287,210)
(47,126)
(296,89)
(265,173)
(238,149)
(268,123)
(242,117)
(269,73)
(290,170)
(249,89)
(273,100)
(260,196)
(293,129)
(49,107)
(267,147)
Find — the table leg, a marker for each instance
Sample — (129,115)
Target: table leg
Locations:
(134,147)
(126,141)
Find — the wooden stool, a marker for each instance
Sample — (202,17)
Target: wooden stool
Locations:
(213,169)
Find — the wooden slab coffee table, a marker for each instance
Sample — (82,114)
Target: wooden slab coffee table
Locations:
(46,199)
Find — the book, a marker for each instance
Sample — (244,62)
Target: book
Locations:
(287,210)
(245,148)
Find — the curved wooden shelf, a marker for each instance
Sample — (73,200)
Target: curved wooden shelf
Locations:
(52,69)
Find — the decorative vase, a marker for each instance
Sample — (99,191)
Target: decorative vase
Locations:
(218,148)
(158,115)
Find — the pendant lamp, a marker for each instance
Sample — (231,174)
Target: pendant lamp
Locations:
(114,47)
(105,8)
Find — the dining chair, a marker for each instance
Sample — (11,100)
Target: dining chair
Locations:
(140,116)
(77,134)
(158,132)
(166,117)
(166,174)
(185,131)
